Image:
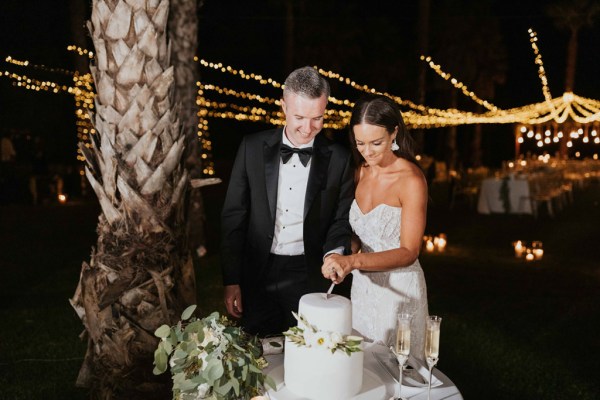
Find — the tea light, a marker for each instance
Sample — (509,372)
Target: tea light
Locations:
(441,243)
(62,198)
(537,250)
(429,246)
(529,256)
(519,249)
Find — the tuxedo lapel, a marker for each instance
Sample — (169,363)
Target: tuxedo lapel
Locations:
(271,160)
(318,170)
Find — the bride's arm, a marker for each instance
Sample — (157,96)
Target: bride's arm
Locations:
(412,227)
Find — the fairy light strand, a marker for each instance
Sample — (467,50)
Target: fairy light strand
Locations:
(457,84)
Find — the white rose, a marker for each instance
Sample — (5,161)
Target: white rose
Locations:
(209,337)
(203,390)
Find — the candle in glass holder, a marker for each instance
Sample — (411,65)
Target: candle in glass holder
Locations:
(429,246)
(62,198)
(519,248)
(529,256)
(537,250)
(442,241)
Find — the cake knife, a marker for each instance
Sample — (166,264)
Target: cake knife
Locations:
(328,294)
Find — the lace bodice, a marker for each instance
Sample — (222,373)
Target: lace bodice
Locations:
(378,296)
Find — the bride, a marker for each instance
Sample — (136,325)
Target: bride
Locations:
(388,218)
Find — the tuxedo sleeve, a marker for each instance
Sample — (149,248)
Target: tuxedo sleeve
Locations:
(340,232)
(234,219)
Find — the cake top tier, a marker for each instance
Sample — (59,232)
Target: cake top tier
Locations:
(333,314)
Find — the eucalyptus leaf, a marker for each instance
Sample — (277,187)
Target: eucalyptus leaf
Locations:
(187,313)
(222,390)
(160,360)
(270,382)
(214,370)
(179,353)
(254,368)
(236,386)
(162,331)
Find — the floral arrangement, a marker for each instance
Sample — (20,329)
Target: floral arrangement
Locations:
(308,335)
(210,358)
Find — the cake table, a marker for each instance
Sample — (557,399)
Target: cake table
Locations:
(378,384)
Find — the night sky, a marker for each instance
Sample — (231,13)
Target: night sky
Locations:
(371,42)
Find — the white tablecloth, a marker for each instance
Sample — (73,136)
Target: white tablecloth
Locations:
(490,200)
(446,390)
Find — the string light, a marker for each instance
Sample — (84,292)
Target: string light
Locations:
(81,51)
(541,70)
(27,63)
(457,84)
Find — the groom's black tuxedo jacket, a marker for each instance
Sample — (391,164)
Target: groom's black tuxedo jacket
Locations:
(248,217)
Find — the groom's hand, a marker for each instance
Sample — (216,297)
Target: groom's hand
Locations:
(335,268)
(233,300)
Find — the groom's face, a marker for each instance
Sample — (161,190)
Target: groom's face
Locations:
(303,117)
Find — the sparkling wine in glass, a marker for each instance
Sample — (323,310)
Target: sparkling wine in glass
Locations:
(432,346)
(402,346)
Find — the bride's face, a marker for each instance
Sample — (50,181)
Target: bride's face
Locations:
(374,143)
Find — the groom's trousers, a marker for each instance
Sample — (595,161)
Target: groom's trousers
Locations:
(269,304)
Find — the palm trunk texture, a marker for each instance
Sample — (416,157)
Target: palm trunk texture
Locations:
(129,287)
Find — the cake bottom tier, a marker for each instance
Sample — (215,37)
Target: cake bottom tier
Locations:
(315,373)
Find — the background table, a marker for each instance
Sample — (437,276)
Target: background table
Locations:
(447,390)
(490,200)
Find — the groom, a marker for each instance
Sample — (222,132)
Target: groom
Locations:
(286,208)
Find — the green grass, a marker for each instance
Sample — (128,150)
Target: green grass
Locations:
(510,330)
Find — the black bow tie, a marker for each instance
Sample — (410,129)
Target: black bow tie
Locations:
(304,154)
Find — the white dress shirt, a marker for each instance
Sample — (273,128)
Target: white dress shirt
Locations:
(291,193)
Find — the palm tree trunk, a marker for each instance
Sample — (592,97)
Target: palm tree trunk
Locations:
(183,30)
(451,152)
(129,288)
(571,61)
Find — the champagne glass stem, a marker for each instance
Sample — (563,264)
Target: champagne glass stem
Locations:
(400,381)
(429,385)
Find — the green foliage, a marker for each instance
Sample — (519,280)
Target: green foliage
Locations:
(210,358)
(308,335)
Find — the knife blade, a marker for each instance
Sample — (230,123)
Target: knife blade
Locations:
(328,294)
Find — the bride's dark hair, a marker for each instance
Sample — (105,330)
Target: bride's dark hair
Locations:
(382,111)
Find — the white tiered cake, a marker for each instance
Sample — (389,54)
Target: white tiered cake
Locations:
(311,369)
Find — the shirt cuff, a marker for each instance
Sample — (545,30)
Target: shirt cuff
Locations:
(337,250)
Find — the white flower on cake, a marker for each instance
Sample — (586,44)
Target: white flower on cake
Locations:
(308,335)
(336,338)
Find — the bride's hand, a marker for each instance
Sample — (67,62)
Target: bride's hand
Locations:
(336,268)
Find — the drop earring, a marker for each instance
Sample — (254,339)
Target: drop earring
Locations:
(395,146)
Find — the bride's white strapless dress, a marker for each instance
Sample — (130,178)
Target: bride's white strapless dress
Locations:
(377,297)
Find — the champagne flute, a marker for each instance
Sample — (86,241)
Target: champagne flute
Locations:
(432,346)
(402,346)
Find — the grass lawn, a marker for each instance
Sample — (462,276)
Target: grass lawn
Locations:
(510,330)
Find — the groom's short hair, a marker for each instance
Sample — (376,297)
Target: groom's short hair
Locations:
(308,82)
